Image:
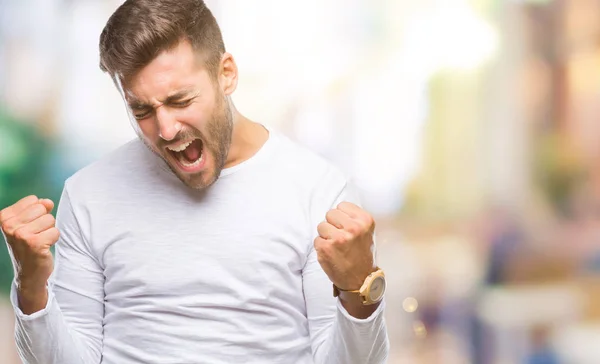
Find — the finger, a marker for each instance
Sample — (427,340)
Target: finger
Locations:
(48,204)
(322,247)
(28,215)
(17,208)
(39,225)
(359,216)
(338,218)
(319,242)
(49,237)
(326,230)
(350,209)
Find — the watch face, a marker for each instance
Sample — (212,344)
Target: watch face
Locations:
(377,289)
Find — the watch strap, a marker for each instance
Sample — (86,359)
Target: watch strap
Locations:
(348,295)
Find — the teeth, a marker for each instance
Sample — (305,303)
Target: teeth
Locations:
(180,148)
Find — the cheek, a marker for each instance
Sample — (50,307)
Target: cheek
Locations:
(148,128)
(195,116)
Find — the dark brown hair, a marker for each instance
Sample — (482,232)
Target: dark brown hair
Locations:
(140,29)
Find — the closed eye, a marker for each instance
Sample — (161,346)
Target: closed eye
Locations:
(142,116)
(181,103)
(140,111)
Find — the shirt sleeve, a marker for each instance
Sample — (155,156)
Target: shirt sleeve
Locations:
(69,329)
(336,336)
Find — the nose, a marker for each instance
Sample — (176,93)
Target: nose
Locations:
(168,126)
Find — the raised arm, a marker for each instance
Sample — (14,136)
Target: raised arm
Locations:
(58,304)
(341,332)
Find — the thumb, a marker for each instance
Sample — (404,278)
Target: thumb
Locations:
(48,204)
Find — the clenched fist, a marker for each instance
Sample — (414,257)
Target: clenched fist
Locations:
(30,232)
(345,245)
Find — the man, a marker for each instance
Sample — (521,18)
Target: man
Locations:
(215,240)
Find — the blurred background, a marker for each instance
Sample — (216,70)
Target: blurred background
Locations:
(470,128)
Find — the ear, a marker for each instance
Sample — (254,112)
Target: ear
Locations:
(228,78)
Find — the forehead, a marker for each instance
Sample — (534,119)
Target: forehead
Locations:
(171,71)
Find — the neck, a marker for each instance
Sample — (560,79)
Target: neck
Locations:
(247,139)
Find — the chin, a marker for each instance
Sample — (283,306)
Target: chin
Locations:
(200,181)
(197,180)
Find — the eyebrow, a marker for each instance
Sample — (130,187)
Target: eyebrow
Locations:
(136,104)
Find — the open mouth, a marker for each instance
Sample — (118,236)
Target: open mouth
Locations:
(188,154)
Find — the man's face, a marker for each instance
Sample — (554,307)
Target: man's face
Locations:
(183,114)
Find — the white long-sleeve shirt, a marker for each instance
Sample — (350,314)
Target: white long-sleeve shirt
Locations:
(150,271)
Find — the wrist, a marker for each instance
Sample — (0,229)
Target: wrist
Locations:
(32,297)
(30,286)
(356,279)
(371,291)
(353,304)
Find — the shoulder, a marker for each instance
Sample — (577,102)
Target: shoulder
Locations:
(112,170)
(318,183)
(316,180)
(306,166)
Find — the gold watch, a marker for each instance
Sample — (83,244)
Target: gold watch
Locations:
(370,293)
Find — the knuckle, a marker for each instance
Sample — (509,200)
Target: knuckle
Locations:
(329,215)
(22,234)
(364,224)
(31,199)
(39,209)
(347,236)
(342,205)
(34,241)
(322,225)
(318,243)
(7,222)
(350,236)
(54,234)
(354,229)
(49,220)
(337,242)
(341,238)
(28,201)
(8,227)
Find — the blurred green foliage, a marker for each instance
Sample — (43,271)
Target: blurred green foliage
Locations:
(25,169)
